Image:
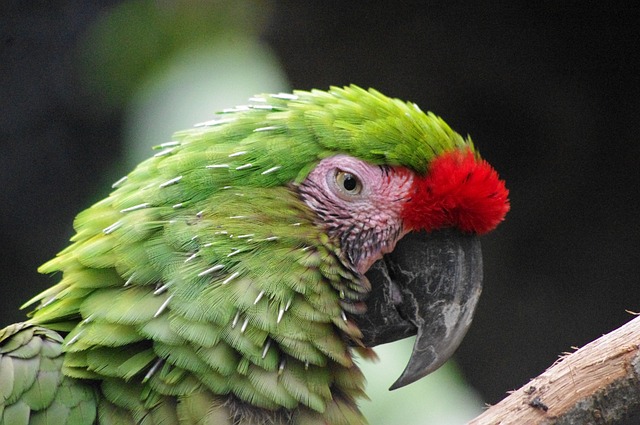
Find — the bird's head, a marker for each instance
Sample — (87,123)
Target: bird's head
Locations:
(405,204)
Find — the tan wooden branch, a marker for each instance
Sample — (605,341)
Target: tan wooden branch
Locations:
(597,384)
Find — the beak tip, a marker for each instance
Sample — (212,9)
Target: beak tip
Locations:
(409,378)
(420,365)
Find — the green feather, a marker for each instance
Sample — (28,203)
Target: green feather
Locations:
(201,334)
(136,364)
(16,414)
(130,306)
(34,389)
(158,329)
(202,408)
(109,334)
(220,357)
(268,383)
(27,370)
(7,377)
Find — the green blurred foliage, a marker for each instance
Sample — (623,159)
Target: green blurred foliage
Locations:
(138,37)
(441,398)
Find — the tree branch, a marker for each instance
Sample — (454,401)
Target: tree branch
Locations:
(597,384)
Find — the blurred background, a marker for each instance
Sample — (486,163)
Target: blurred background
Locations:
(550,94)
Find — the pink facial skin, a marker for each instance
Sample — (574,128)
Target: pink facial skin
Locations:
(368,218)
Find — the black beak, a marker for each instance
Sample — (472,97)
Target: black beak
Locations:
(429,286)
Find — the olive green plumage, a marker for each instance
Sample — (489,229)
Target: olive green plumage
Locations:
(202,285)
(33,388)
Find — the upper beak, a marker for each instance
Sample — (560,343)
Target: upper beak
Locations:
(429,285)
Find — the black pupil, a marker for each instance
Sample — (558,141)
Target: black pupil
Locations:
(350,182)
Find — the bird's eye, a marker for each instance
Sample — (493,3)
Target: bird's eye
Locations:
(348,182)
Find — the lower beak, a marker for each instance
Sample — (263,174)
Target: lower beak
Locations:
(428,286)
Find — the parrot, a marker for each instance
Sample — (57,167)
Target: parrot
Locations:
(238,275)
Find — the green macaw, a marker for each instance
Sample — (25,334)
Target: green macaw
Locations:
(231,278)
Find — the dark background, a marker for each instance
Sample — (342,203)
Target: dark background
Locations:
(550,94)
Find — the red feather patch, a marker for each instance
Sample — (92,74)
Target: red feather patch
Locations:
(459,191)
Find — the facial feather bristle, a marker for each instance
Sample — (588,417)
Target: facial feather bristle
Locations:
(459,190)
